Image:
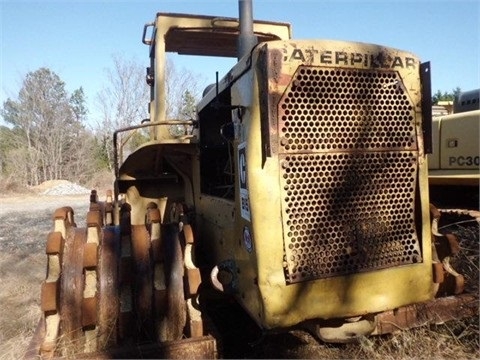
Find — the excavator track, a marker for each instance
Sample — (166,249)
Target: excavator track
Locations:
(455,239)
(464,226)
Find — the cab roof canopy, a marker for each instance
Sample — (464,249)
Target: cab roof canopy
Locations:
(210,35)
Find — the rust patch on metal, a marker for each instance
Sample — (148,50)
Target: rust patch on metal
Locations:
(65,213)
(94,218)
(49,296)
(55,243)
(143,286)
(435,311)
(90,257)
(89,311)
(71,288)
(108,297)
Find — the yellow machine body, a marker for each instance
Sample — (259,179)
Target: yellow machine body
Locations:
(329,220)
(305,168)
(455,159)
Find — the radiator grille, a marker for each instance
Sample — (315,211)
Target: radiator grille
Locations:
(348,165)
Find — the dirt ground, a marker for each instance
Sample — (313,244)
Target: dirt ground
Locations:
(25,222)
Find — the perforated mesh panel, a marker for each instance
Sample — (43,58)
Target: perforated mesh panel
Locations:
(336,109)
(348,169)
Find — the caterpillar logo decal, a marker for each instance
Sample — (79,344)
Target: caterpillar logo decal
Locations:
(242,178)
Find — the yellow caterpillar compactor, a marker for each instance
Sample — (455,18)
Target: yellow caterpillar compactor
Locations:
(300,190)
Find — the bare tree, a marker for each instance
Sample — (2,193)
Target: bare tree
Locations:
(124,100)
(178,82)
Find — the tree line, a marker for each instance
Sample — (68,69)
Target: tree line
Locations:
(49,135)
(445,96)
(48,138)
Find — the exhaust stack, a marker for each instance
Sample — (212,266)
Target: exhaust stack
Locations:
(246,39)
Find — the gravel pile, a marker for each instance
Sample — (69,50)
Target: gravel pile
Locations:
(66,188)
